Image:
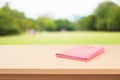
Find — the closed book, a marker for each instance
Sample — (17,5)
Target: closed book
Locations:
(83,53)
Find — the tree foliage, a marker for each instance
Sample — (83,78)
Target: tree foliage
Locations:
(87,23)
(13,21)
(46,24)
(101,14)
(7,22)
(64,24)
(105,18)
(113,19)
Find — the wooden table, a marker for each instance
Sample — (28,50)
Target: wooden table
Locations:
(38,62)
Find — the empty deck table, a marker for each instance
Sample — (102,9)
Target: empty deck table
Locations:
(38,62)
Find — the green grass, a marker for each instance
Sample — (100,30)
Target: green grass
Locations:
(63,38)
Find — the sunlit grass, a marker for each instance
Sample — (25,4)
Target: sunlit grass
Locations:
(63,38)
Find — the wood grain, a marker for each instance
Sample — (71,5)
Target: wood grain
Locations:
(58,77)
(38,62)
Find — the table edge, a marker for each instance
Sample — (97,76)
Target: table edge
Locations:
(59,71)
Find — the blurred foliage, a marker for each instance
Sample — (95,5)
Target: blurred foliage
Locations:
(87,23)
(8,19)
(113,19)
(64,24)
(46,24)
(105,18)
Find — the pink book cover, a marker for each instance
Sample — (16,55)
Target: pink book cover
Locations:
(83,53)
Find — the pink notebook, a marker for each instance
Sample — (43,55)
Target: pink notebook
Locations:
(83,53)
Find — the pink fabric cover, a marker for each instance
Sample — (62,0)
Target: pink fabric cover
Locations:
(83,53)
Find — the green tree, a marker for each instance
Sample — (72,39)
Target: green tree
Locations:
(101,25)
(26,23)
(64,24)
(13,21)
(113,19)
(101,14)
(87,23)
(7,25)
(46,24)
(103,8)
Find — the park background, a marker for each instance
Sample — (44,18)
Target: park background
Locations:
(102,26)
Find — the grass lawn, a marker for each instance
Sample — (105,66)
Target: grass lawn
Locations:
(63,38)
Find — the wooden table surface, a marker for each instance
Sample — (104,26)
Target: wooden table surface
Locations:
(41,59)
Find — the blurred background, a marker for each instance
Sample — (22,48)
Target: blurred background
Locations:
(59,21)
